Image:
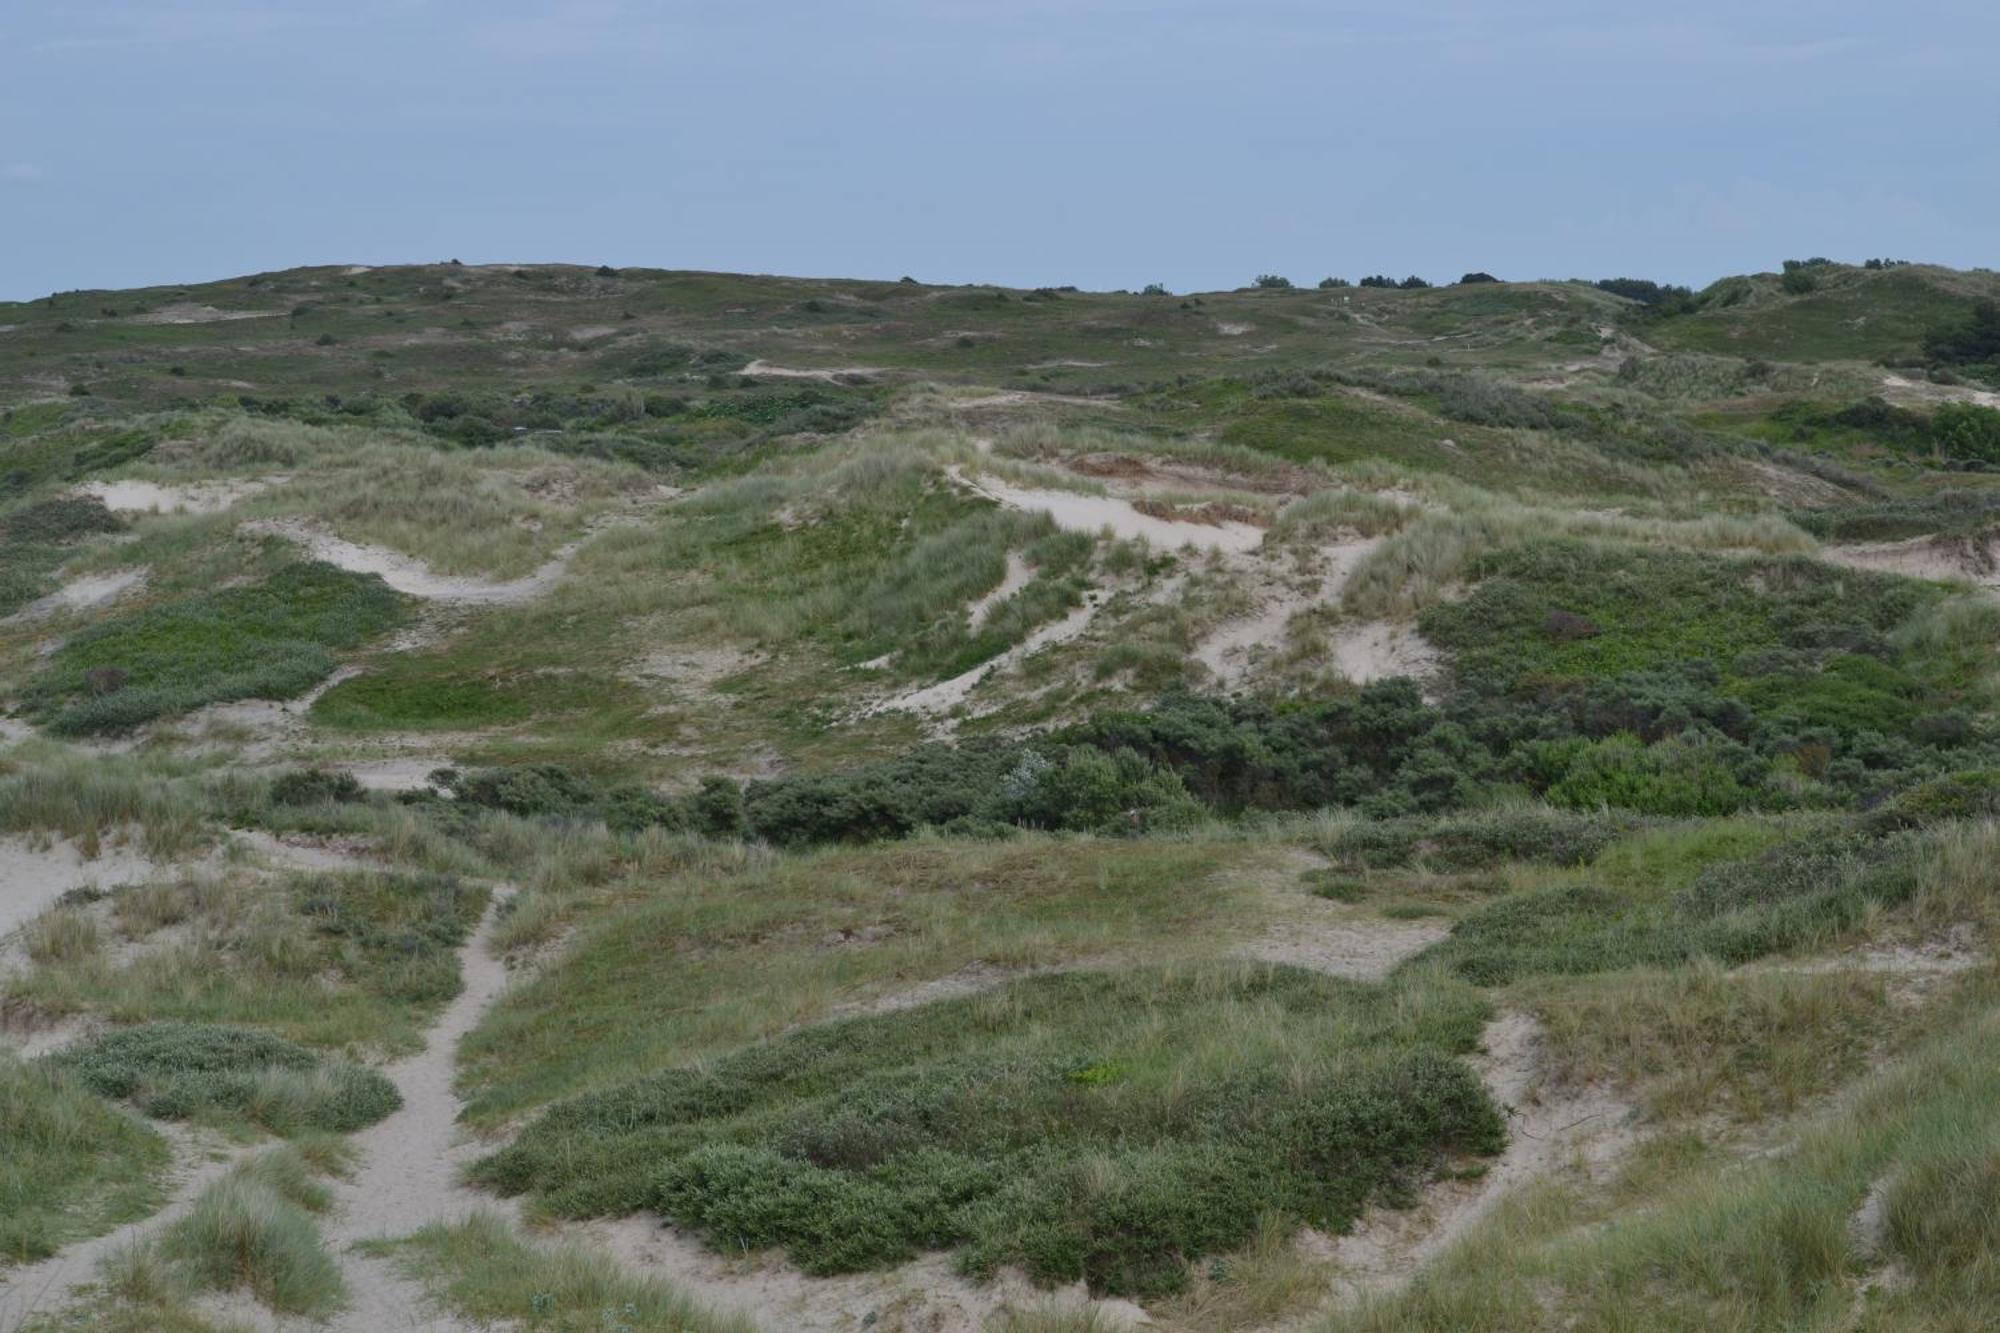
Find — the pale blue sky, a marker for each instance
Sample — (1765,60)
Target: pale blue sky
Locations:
(1106,143)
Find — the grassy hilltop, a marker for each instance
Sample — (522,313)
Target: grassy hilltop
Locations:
(832,803)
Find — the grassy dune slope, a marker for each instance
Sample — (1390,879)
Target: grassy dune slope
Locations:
(881,804)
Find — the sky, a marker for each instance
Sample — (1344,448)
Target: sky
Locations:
(1105,143)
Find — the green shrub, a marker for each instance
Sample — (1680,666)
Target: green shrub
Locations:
(1081,1126)
(1681,776)
(1478,842)
(1967,795)
(176,1071)
(1973,340)
(315,786)
(271,640)
(1967,432)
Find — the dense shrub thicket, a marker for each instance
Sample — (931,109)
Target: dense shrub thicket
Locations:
(1779,683)
(1079,1126)
(1971,341)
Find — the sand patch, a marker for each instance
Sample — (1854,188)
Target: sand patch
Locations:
(199,497)
(186,312)
(1792,487)
(32,877)
(1232,651)
(1379,649)
(403,773)
(763,369)
(83,594)
(407,574)
(949,694)
(1074,511)
(1019,574)
(1948,559)
(1926,392)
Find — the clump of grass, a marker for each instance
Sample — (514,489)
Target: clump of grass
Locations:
(253,1230)
(1414,568)
(89,798)
(1798,894)
(178,1071)
(351,959)
(314,786)
(499,511)
(690,952)
(72,1166)
(1098,1126)
(1325,515)
(1699,1040)
(270,640)
(63,936)
(484,1271)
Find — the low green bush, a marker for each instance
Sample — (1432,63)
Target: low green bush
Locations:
(315,786)
(178,1071)
(1085,1126)
(269,640)
(1478,841)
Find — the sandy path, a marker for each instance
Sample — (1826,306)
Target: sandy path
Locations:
(410,1162)
(1019,574)
(927,1294)
(1941,393)
(764,369)
(407,574)
(1547,1132)
(949,694)
(1074,511)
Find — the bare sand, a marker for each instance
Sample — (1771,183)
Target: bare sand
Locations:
(198,497)
(407,574)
